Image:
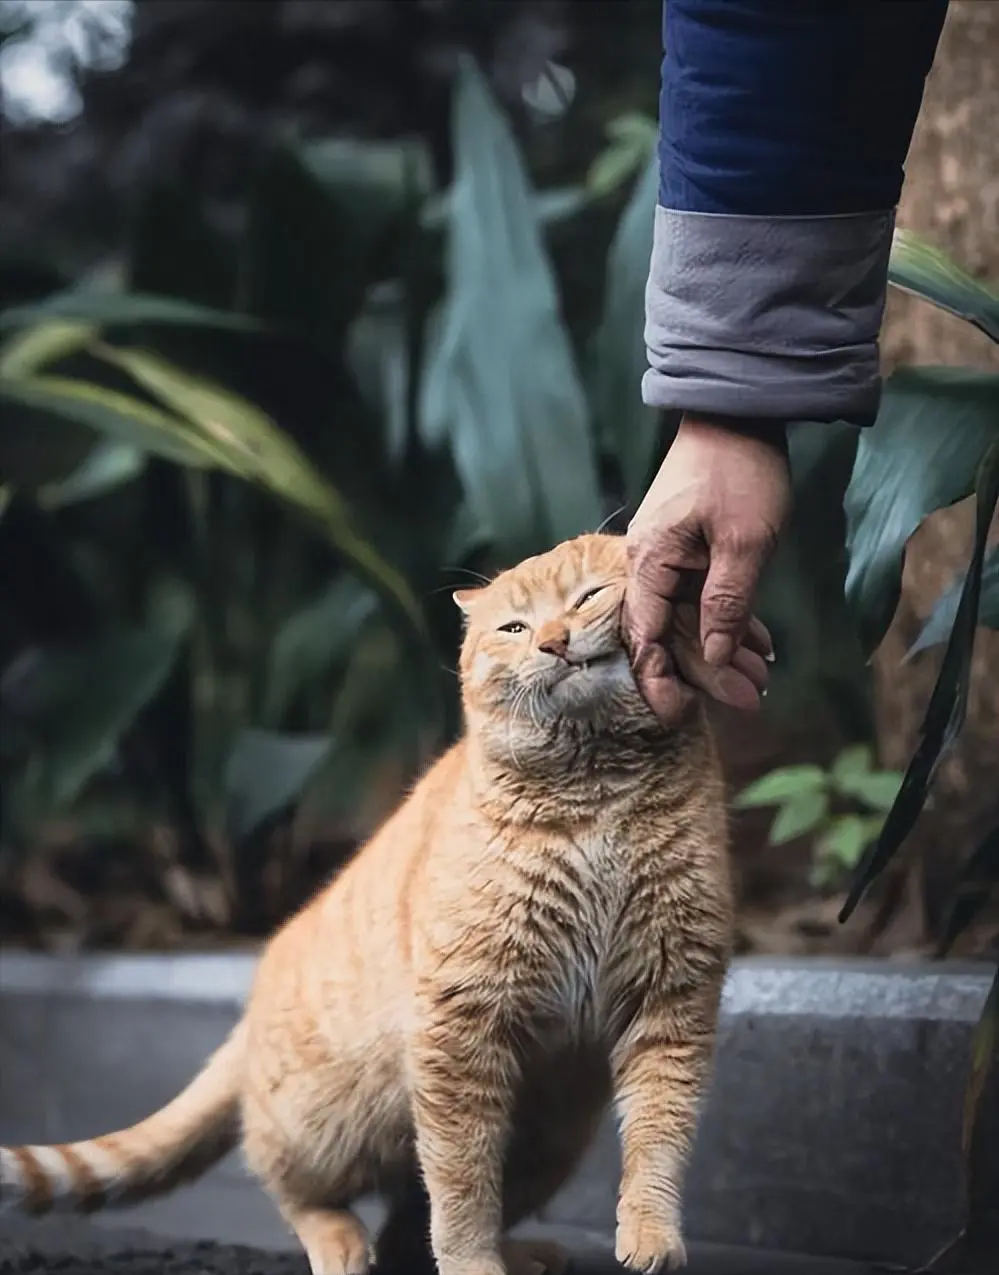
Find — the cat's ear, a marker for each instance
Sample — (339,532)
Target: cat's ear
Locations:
(464,599)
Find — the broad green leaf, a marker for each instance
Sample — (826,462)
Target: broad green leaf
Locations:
(632,145)
(844,840)
(345,775)
(918,267)
(377,718)
(502,381)
(937,628)
(934,427)
(372,183)
(109,465)
(800,814)
(392,739)
(265,775)
(633,126)
(948,705)
(313,640)
(377,353)
(370,683)
(876,790)
(557,204)
(613,167)
(125,309)
(465,536)
(780,785)
(68,708)
(119,416)
(250,445)
(624,424)
(839,848)
(858,759)
(26,352)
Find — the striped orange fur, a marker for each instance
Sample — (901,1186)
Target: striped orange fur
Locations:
(541,929)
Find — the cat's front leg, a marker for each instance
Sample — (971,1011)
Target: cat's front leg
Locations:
(661,1067)
(463,1069)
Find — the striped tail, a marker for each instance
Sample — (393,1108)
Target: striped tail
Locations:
(177,1144)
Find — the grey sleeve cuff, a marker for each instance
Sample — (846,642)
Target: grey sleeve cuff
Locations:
(767,316)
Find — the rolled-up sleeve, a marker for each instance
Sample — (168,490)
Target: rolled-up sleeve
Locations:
(784,126)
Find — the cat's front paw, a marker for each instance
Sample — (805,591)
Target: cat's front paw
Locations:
(647,1242)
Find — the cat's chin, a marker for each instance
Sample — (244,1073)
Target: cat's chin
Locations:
(585,687)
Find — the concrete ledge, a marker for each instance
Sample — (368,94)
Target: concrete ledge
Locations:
(833,1126)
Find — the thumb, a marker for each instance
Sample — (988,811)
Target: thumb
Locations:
(648,598)
(726,601)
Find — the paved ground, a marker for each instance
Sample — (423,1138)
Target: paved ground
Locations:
(69,1247)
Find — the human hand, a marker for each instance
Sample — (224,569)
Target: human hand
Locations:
(707,525)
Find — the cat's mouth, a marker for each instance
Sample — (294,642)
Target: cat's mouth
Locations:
(593,661)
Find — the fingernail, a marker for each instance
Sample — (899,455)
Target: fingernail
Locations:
(765,692)
(718,649)
(771,657)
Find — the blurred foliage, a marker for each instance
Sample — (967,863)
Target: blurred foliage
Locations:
(208,87)
(935,442)
(841,809)
(307,424)
(249,465)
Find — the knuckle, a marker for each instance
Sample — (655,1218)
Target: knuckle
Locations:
(726,607)
(754,543)
(650,552)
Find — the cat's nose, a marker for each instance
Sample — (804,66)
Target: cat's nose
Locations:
(554,640)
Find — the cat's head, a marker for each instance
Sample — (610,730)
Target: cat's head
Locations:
(543,647)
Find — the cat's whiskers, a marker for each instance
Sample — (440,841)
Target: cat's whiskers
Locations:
(519,699)
(534,707)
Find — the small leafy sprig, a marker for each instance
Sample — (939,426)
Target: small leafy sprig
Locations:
(843,808)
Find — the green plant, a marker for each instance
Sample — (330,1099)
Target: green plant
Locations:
(842,809)
(206,367)
(255,466)
(936,441)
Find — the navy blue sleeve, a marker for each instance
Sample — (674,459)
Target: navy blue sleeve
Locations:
(791,107)
(784,126)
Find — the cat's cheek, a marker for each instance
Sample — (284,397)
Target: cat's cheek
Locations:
(482,665)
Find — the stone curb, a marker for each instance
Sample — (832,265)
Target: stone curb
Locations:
(832,1127)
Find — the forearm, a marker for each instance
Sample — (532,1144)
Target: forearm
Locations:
(784,126)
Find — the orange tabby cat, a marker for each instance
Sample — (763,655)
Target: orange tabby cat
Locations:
(541,928)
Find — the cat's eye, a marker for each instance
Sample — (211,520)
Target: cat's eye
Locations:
(590,593)
(513,626)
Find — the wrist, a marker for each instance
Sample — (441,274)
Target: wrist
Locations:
(763,429)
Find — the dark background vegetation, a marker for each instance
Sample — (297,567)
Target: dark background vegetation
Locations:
(208,699)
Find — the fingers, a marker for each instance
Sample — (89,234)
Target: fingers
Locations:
(726,599)
(661,688)
(739,685)
(757,638)
(753,667)
(649,595)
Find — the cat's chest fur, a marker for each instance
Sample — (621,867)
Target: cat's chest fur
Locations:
(591,879)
